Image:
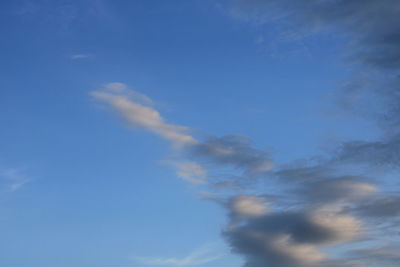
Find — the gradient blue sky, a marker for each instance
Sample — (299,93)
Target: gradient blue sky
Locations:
(79,186)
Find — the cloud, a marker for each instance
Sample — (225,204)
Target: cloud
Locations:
(135,109)
(348,189)
(234,151)
(245,206)
(324,185)
(324,205)
(379,256)
(63,16)
(294,235)
(383,153)
(329,201)
(317,207)
(217,153)
(13,179)
(291,238)
(191,172)
(197,257)
(382,206)
(372,25)
(81,56)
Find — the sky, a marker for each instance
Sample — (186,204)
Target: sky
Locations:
(238,133)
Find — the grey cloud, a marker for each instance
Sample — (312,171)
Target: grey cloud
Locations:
(293,238)
(300,226)
(322,184)
(384,206)
(382,154)
(378,153)
(346,188)
(388,256)
(374,25)
(305,173)
(290,238)
(372,31)
(234,151)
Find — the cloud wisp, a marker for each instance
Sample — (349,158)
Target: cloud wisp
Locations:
(13,179)
(197,257)
(135,109)
(81,56)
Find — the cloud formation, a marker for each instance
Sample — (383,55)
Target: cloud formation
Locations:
(316,208)
(135,109)
(198,159)
(291,238)
(235,151)
(330,203)
(322,207)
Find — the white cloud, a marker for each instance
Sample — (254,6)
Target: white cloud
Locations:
(248,206)
(14,178)
(81,56)
(191,172)
(197,257)
(136,109)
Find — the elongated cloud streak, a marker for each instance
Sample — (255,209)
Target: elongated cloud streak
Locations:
(230,151)
(197,257)
(131,107)
(13,178)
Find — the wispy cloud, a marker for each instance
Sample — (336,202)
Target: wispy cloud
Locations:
(133,109)
(13,179)
(197,257)
(190,171)
(197,159)
(65,16)
(81,56)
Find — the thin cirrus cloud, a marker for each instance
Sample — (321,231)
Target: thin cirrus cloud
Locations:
(198,257)
(81,56)
(13,178)
(191,172)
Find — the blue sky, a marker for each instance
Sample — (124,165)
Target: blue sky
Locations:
(161,133)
